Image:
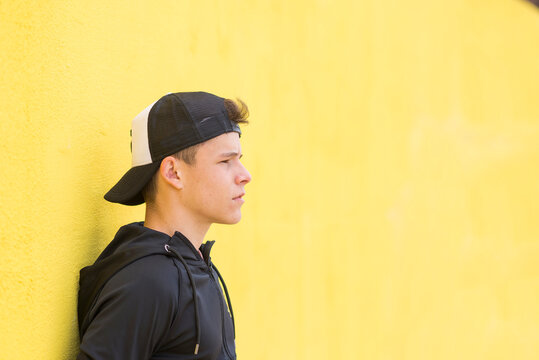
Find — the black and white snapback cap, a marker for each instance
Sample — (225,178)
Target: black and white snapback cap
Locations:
(172,123)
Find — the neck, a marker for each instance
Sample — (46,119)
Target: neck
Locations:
(169,221)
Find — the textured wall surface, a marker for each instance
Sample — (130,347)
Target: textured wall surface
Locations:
(394,148)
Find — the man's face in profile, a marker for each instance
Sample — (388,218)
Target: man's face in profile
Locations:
(213,186)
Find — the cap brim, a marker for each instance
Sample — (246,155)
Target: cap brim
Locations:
(128,191)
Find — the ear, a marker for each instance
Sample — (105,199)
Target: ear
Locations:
(170,172)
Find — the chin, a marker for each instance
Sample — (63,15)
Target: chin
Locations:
(230,220)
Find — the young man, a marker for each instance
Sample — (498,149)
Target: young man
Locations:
(154,293)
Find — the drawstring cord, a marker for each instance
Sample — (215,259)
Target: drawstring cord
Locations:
(227,299)
(197,321)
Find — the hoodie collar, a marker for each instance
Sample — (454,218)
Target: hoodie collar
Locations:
(188,251)
(185,247)
(178,240)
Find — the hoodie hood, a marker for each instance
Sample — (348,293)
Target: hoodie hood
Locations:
(132,242)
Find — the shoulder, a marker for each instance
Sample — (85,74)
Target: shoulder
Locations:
(153,276)
(134,310)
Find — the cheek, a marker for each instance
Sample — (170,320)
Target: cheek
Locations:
(210,187)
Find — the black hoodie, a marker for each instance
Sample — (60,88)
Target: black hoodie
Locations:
(136,301)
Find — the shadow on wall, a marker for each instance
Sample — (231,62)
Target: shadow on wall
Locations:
(91,230)
(535,2)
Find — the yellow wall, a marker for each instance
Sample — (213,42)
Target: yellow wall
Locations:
(394,148)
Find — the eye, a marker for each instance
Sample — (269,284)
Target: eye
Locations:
(224,161)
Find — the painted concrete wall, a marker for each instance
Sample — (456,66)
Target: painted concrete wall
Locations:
(394,148)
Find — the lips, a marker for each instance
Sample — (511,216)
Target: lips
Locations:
(238,197)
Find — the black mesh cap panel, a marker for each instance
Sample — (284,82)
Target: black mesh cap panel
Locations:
(209,114)
(170,128)
(180,120)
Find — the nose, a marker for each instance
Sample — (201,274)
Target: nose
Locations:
(243,177)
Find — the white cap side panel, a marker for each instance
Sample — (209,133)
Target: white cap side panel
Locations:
(139,138)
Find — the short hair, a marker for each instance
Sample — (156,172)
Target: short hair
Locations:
(237,111)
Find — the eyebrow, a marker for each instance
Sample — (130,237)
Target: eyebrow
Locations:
(231,154)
